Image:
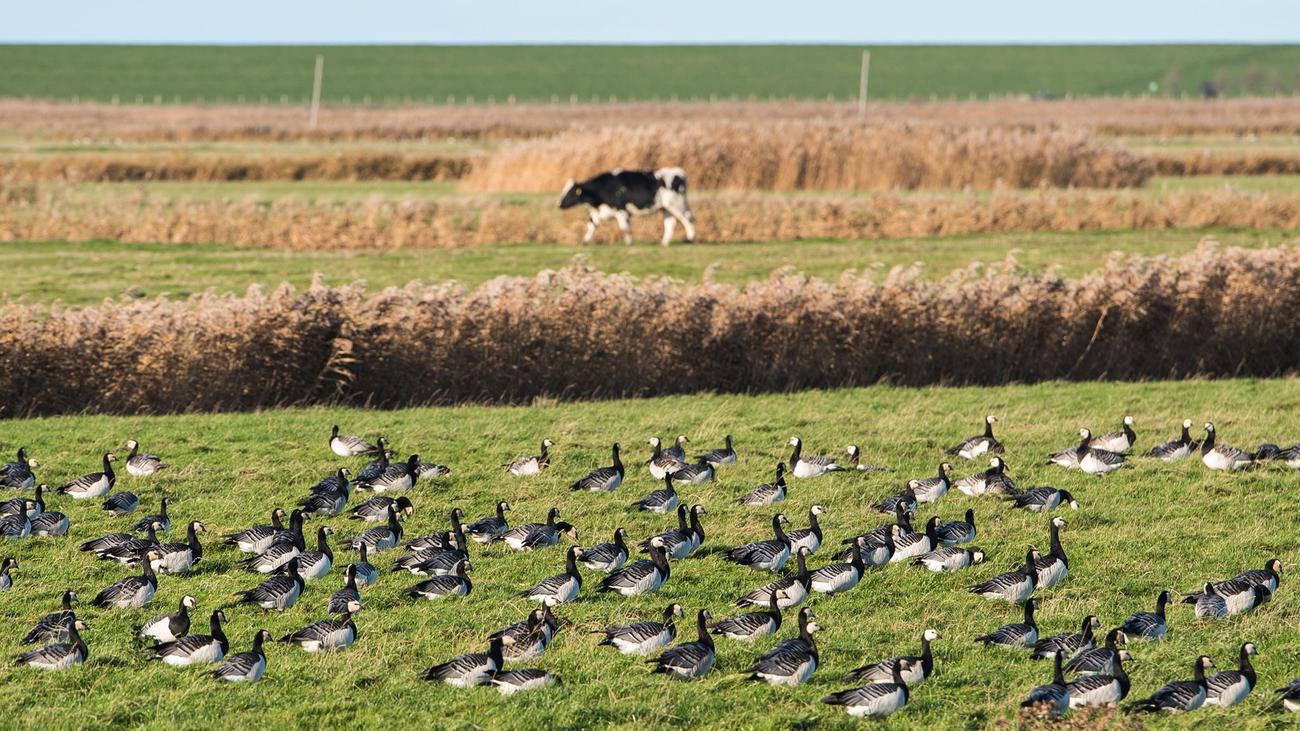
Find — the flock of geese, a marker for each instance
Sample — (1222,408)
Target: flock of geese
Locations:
(282,562)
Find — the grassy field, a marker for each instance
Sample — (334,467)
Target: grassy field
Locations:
(85,273)
(392,74)
(1156,526)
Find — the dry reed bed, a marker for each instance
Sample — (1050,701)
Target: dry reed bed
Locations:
(815,155)
(128,167)
(40,213)
(1146,116)
(583,334)
(1216,162)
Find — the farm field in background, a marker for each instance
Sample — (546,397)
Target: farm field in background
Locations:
(1153,527)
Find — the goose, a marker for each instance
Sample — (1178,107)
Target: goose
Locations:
(59,656)
(769,492)
(725,455)
(340,599)
(1148,625)
(93,485)
(349,446)
(132,592)
(50,523)
(875,554)
(6,573)
(644,637)
(377,465)
(1176,449)
(121,503)
(678,449)
(531,536)
(979,445)
(804,467)
(1044,499)
(560,587)
(315,564)
(456,583)
(142,464)
(367,574)
(643,576)
(1267,452)
(1290,696)
(696,474)
(855,460)
(792,590)
(607,557)
(513,681)
(444,540)
(1067,458)
(807,626)
(994,481)
(398,477)
(1020,634)
(1055,566)
(178,558)
(430,471)
(467,671)
(951,558)
(1099,660)
(285,546)
(1215,601)
(810,537)
(750,626)
(170,627)
(912,545)
(920,666)
(769,555)
(105,542)
(163,521)
(381,537)
(790,662)
(1014,586)
(1095,461)
(1230,687)
(690,659)
(245,667)
(931,489)
(902,518)
(486,530)
(1053,697)
(376,508)
(874,700)
(662,463)
(259,537)
(128,551)
(1182,695)
(1099,690)
(532,464)
(659,501)
(32,508)
(329,496)
(685,538)
(18,474)
(1071,643)
(278,592)
(1117,441)
(1267,577)
(541,621)
(432,562)
(1209,605)
(327,634)
(192,649)
(955,532)
(837,578)
(605,479)
(53,626)
(1291,455)
(906,500)
(15,527)
(529,638)
(1221,456)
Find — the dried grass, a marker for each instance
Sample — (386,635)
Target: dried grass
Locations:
(117,168)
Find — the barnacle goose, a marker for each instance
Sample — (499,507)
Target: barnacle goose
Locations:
(1148,625)
(641,576)
(128,552)
(192,649)
(1071,643)
(750,626)
(1013,586)
(330,496)
(132,592)
(93,485)
(1053,697)
(955,532)
(163,520)
(769,492)
(467,671)
(979,445)
(931,489)
(485,530)
(696,474)
(1099,690)
(18,474)
(1291,455)
(23,506)
(245,667)
(532,536)
(1290,695)
(381,537)
(529,638)
(1240,585)
(1178,448)
(659,501)
(685,538)
(284,546)
(376,508)
(902,518)
(367,574)
(398,477)
(121,503)
(769,555)
(689,659)
(142,464)
(1182,695)
(315,564)
(792,589)
(433,561)
(803,467)
(951,558)
(1100,660)
(678,449)
(532,464)
(349,446)
(15,527)
(855,460)
(790,662)
(377,465)
(905,500)
(1053,568)
(259,537)
(645,637)
(53,626)
(1020,634)
(278,592)
(810,537)
(1044,499)
(921,666)
(875,700)
(456,583)
(1230,687)
(911,545)
(836,578)
(607,557)
(725,455)
(873,553)
(49,522)
(662,463)
(170,627)
(513,681)
(443,540)
(560,587)
(339,600)
(1095,461)
(1221,456)
(604,479)
(327,634)
(1117,441)
(177,558)
(430,471)
(994,481)
(59,656)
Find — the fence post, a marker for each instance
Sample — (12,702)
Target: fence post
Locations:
(315,91)
(862,84)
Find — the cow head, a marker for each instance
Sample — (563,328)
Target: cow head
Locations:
(572,194)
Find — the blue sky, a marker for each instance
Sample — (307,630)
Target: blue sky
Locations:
(652,21)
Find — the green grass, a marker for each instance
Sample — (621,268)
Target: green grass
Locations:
(390,74)
(1156,526)
(1280,184)
(85,273)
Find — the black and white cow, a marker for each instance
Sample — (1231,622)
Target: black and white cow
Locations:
(619,194)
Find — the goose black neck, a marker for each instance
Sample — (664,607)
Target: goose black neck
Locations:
(774,607)
(501,511)
(668,616)
(544,453)
(192,538)
(1058,674)
(855,560)
(146,570)
(898,677)
(988,429)
(618,463)
(108,469)
(778,531)
(696,528)
(1199,674)
(1029,613)
(551,516)
(214,628)
(67,601)
(1057,550)
(571,563)
(802,564)
(322,543)
(1161,601)
(794,455)
(457,529)
(619,542)
(257,645)
(135,448)
(494,652)
(1186,437)
(814,526)
(927,655)
(702,630)
(351,580)
(1245,667)
(660,559)
(1208,445)
(275,520)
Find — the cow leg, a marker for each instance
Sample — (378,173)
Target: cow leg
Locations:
(670,223)
(622,218)
(591,230)
(683,214)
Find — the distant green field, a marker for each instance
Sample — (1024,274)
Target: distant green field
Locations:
(392,74)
